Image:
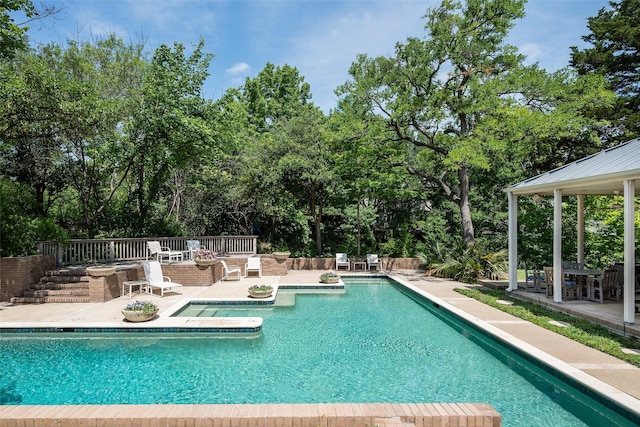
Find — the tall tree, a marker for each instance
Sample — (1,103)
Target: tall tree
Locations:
(170,126)
(102,82)
(62,125)
(274,101)
(454,100)
(431,93)
(373,184)
(30,116)
(614,53)
(304,165)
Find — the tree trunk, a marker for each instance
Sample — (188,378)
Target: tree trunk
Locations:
(316,215)
(465,211)
(358,220)
(317,226)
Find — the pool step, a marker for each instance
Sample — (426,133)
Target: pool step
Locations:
(58,286)
(64,276)
(43,300)
(80,292)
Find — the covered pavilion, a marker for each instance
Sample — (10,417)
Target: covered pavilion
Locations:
(613,171)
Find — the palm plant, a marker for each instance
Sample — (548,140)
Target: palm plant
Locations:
(466,263)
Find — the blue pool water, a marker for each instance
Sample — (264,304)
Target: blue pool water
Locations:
(370,344)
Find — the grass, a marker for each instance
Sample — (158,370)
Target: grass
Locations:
(580,330)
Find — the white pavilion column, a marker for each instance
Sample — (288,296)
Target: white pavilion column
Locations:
(629,292)
(557,245)
(513,242)
(580,226)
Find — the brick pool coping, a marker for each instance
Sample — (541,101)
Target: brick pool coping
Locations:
(271,415)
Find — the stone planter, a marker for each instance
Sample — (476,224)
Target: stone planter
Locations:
(263,294)
(204,263)
(139,316)
(260,293)
(330,280)
(100,271)
(281,255)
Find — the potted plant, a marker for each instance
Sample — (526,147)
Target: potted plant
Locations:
(205,257)
(140,311)
(329,277)
(260,291)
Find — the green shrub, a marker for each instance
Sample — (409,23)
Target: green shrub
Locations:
(466,263)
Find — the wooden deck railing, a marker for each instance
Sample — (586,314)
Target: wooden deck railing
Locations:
(83,251)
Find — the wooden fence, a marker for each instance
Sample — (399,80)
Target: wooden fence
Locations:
(93,251)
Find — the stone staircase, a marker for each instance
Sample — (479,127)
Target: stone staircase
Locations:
(67,285)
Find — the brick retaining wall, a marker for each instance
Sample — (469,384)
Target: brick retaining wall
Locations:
(388,264)
(20,274)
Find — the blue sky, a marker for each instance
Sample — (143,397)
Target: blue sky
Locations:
(319,37)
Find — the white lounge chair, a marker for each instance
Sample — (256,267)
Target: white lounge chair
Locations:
(373,261)
(226,271)
(193,246)
(155,279)
(342,260)
(160,252)
(253,265)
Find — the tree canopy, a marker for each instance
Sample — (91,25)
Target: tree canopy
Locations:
(102,138)
(614,54)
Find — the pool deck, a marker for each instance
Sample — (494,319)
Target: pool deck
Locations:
(611,376)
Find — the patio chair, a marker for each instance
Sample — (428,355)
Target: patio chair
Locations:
(160,252)
(226,271)
(534,280)
(193,246)
(155,279)
(253,265)
(342,260)
(374,261)
(569,288)
(605,286)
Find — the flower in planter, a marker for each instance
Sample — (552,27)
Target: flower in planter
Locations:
(202,254)
(328,275)
(142,306)
(260,288)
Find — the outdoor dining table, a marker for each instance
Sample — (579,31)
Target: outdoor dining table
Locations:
(580,276)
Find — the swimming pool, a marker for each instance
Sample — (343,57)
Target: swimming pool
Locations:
(370,344)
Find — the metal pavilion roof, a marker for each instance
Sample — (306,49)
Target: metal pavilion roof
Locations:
(599,173)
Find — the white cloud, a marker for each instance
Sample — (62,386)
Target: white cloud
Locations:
(241,67)
(533,52)
(324,53)
(91,23)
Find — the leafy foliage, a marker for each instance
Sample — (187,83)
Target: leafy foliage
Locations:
(13,35)
(21,228)
(466,263)
(614,53)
